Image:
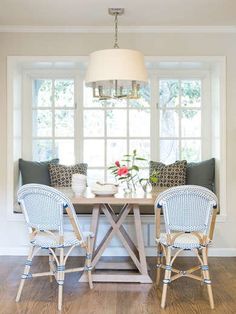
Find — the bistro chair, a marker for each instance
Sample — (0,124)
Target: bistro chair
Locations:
(43,208)
(189,214)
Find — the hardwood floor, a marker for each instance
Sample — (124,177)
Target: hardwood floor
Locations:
(184,295)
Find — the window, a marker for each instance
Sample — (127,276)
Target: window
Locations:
(53,120)
(114,128)
(180,111)
(101,132)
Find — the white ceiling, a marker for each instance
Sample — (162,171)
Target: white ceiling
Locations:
(137,12)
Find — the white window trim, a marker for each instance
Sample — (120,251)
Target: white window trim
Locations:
(14,67)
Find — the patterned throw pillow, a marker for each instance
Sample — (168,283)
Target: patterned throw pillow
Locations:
(170,175)
(61,175)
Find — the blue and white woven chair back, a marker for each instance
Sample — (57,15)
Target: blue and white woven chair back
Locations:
(187,208)
(43,206)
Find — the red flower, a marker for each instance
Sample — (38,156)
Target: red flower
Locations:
(122,171)
(117,163)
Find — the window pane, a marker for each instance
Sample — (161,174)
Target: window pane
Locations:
(169,151)
(42,93)
(191,150)
(95,175)
(169,93)
(64,93)
(143,174)
(115,150)
(144,100)
(169,123)
(111,178)
(94,152)
(191,93)
(89,101)
(64,150)
(115,103)
(93,123)
(191,123)
(116,123)
(143,149)
(64,123)
(42,150)
(42,123)
(139,123)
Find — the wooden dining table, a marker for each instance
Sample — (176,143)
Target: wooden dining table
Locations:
(130,205)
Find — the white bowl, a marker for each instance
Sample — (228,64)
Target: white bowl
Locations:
(78,190)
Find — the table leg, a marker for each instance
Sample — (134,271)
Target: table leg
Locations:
(137,254)
(94,230)
(124,237)
(110,233)
(94,226)
(140,242)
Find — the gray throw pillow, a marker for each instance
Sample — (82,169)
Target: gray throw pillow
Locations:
(35,171)
(169,175)
(202,173)
(61,175)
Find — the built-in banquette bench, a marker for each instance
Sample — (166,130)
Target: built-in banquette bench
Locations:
(179,173)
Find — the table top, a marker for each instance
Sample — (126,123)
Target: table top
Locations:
(137,197)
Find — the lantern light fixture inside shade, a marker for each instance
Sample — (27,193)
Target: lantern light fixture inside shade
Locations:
(116,73)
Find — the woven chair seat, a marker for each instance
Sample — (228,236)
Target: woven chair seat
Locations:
(186,241)
(45,240)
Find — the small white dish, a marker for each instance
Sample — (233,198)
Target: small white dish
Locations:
(104,193)
(107,189)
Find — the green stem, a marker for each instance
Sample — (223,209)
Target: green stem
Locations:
(132,180)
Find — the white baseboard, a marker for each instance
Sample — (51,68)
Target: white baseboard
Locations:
(117,251)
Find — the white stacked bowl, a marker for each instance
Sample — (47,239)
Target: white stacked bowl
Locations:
(78,183)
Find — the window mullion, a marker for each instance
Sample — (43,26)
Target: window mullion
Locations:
(180,121)
(53,119)
(154,118)
(79,117)
(127,127)
(206,119)
(105,142)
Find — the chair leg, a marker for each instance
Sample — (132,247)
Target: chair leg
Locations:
(88,262)
(51,259)
(200,255)
(166,280)
(25,274)
(159,262)
(206,277)
(60,278)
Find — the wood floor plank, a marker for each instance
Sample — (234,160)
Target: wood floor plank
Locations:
(184,295)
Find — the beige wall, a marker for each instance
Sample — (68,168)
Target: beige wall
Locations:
(20,44)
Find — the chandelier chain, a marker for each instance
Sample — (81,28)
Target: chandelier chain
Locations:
(116,31)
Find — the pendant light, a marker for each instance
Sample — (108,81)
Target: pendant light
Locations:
(116,73)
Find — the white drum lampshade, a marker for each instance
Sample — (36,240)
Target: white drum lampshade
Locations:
(116,73)
(116,64)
